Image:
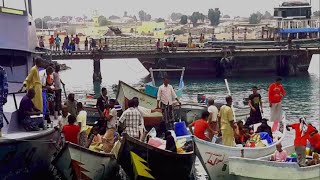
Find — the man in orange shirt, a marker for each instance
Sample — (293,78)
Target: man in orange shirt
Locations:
(300,140)
(200,126)
(275,94)
(314,138)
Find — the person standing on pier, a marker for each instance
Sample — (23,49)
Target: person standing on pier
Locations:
(32,81)
(190,41)
(66,43)
(3,94)
(51,42)
(86,43)
(255,104)
(77,42)
(201,41)
(276,94)
(226,123)
(165,99)
(57,42)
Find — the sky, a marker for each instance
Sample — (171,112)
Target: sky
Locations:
(157,8)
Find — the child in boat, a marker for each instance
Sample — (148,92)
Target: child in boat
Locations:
(71,131)
(239,133)
(63,119)
(279,155)
(315,160)
(200,126)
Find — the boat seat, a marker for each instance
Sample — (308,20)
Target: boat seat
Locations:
(14,125)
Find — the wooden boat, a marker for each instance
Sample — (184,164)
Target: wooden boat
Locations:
(76,162)
(126,92)
(262,168)
(141,160)
(25,155)
(151,88)
(214,157)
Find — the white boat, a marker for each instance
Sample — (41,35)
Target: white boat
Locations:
(76,162)
(262,168)
(215,157)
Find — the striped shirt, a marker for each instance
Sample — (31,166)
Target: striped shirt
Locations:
(132,119)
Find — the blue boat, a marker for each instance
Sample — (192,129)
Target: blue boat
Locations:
(151,88)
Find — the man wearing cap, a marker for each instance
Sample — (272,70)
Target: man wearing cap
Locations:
(275,94)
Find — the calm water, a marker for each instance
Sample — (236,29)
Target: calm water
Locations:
(302,92)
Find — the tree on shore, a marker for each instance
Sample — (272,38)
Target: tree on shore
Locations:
(214,16)
(195,17)
(176,16)
(267,15)
(113,17)
(226,16)
(103,21)
(38,23)
(184,19)
(160,20)
(255,18)
(143,16)
(316,13)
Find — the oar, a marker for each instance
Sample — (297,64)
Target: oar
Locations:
(229,93)
(64,89)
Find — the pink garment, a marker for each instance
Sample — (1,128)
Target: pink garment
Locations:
(280,156)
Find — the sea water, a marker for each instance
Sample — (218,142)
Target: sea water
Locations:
(302,91)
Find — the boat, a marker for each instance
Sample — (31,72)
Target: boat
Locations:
(144,161)
(76,162)
(151,88)
(126,92)
(23,155)
(262,168)
(215,157)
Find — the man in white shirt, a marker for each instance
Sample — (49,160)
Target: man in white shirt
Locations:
(82,121)
(166,97)
(108,138)
(213,117)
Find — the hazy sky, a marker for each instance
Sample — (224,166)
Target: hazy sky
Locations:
(157,8)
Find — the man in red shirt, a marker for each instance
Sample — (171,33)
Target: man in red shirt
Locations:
(314,138)
(71,131)
(300,141)
(51,42)
(200,126)
(275,94)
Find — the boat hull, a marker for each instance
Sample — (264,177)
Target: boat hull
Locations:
(215,157)
(162,164)
(254,169)
(28,158)
(76,162)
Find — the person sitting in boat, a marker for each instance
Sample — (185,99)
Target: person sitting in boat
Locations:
(29,114)
(165,97)
(264,127)
(82,121)
(108,138)
(279,155)
(200,126)
(240,133)
(300,141)
(314,138)
(315,160)
(255,104)
(131,119)
(63,119)
(71,103)
(170,142)
(71,130)
(227,124)
(94,139)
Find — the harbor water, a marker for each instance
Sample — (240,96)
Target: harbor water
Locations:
(302,91)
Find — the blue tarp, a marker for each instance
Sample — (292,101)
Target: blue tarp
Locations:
(300,30)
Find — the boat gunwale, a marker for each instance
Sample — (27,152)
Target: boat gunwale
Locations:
(34,137)
(126,137)
(123,83)
(68,144)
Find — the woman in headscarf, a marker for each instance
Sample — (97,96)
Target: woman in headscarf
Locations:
(32,81)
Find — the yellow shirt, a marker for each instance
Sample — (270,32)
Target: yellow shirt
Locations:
(226,115)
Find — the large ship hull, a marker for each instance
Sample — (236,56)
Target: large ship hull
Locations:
(235,66)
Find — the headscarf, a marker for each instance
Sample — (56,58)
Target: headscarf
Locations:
(303,125)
